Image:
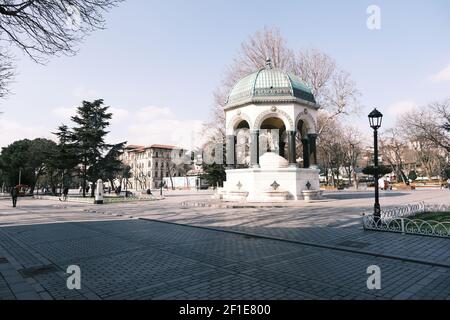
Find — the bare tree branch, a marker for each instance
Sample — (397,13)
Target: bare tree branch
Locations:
(429,123)
(333,88)
(6,73)
(316,69)
(42,28)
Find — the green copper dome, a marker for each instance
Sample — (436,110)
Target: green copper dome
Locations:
(269,85)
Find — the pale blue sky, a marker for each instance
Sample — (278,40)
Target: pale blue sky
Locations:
(163,59)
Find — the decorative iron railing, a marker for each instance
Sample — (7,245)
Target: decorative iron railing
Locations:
(402,220)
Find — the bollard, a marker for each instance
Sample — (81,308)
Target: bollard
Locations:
(99,192)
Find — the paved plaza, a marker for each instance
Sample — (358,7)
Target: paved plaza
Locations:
(176,249)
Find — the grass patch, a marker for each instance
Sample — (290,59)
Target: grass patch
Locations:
(433,216)
(438,222)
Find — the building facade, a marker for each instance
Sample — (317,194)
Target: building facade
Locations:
(150,165)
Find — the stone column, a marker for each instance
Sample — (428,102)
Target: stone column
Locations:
(305,143)
(231,152)
(312,137)
(254,149)
(292,151)
(281,144)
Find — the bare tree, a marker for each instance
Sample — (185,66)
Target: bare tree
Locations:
(181,169)
(428,157)
(333,88)
(316,69)
(267,43)
(429,123)
(394,150)
(6,73)
(427,131)
(43,28)
(331,152)
(339,98)
(353,150)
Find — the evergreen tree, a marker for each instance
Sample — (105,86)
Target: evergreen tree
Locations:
(382,170)
(412,176)
(110,165)
(214,174)
(91,121)
(65,160)
(27,159)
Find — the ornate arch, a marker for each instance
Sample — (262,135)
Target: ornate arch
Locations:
(310,121)
(276,113)
(235,120)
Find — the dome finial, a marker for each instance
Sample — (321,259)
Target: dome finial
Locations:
(268,63)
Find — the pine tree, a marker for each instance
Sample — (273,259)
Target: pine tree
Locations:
(110,165)
(91,121)
(66,159)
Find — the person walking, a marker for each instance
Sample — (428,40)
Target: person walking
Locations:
(66,194)
(14,196)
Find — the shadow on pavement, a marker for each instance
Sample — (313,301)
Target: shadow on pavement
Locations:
(361,195)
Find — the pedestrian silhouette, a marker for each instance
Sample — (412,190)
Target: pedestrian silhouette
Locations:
(14,195)
(65,194)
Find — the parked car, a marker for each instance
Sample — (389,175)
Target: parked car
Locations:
(126,194)
(23,190)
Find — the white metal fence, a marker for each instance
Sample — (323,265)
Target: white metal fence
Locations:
(402,220)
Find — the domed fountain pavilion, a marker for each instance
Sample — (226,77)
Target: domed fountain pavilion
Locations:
(266,113)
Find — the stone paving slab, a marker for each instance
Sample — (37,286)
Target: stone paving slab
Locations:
(137,259)
(247,269)
(330,223)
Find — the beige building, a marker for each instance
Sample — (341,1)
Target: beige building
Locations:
(150,165)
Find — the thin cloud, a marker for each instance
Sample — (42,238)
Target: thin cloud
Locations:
(154,113)
(159,125)
(443,75)
(64,112)
(13,130)
(119,115)
(401,107)
(146,126)
(83,93)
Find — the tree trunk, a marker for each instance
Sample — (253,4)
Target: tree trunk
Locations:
(337,178)
(171,181)
(84,179)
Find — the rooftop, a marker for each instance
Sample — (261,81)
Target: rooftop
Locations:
(270,85)
(139,148)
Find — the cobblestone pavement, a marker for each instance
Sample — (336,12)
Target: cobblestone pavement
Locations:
(334,222)
(125,258)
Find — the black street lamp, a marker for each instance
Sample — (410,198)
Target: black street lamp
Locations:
(375,119)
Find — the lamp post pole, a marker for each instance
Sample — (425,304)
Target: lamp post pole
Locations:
(375,119)
(377,208)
